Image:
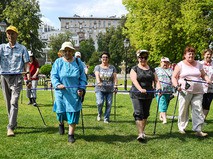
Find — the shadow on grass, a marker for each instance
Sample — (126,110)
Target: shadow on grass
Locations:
(181,137)
(108,138)
(48,129)
(45,105)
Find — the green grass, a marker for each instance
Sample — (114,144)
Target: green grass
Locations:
(114,140)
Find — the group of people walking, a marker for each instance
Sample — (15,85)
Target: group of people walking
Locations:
(192,79)
(68,77)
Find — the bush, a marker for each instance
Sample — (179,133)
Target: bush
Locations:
(45,69)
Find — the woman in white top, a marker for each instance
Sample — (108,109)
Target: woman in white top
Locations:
(208,68)
(191,93)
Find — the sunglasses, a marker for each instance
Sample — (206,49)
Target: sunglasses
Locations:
(69,51)
(143,57)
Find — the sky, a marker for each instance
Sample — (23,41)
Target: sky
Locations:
(52,9)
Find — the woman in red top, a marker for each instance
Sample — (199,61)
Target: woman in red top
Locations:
(34,70)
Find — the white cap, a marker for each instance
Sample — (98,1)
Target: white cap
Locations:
(67,44)
(77,54)
(30,53)
(165,59)
(139,52)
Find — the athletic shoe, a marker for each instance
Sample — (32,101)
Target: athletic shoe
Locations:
(141,138)
(71,138)
(98,118)
(201,134)
(164,122)
(106,121)
(182,132)
(10,133)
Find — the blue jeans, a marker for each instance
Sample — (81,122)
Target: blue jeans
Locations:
(100,98)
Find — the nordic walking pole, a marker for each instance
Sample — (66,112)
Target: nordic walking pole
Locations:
(51,87)
(174,112)
(115,106)
(156,117)
(21,96)
(82,116)
(38,108)
(82,120)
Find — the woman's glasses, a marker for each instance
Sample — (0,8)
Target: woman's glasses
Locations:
(143,57)
(104,57)
(68,51)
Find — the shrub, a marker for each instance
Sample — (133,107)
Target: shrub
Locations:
(45,69)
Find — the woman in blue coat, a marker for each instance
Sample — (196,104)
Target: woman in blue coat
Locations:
(69,80)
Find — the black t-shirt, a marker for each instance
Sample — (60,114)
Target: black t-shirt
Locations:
(145,78)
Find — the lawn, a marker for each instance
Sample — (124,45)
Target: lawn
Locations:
(114,140)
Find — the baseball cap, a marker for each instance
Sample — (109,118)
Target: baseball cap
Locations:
(67,44)
(77,54)
(12,28)
(165,59)
(30,53)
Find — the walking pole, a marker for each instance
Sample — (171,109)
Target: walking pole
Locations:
(82,120)
(115,106)
(51,89)
(21,96)
(174,112)
(82,116)
(156,117)
(37,108)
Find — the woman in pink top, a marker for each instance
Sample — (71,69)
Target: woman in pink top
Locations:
(191,93)
(208,68)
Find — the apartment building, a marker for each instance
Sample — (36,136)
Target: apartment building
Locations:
(87,27)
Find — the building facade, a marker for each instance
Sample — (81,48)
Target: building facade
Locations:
(87,27)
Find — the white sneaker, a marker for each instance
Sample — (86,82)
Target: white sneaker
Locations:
(201,134)
(98,118)
(105,121)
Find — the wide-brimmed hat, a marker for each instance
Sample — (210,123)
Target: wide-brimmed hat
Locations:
(12,28)
(67,44)
(165,59)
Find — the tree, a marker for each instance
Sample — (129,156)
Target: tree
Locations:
(25,15)
(112,42)
(56,42)
(93,61)
(165,27)
(86,49)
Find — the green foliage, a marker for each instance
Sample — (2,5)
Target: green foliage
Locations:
(94,60)
(166,27)
(112,42)
(56,42)
(46,69)
(25,15)
(86,48)
(91,69)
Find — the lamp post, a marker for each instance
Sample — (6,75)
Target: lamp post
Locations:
(126,46)
(2,33)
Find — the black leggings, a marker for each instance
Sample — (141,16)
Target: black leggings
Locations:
(207,99)
(141,108)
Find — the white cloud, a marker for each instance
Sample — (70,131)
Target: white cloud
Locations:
(53,9)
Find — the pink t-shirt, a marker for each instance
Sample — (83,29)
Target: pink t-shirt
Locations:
(191,73)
